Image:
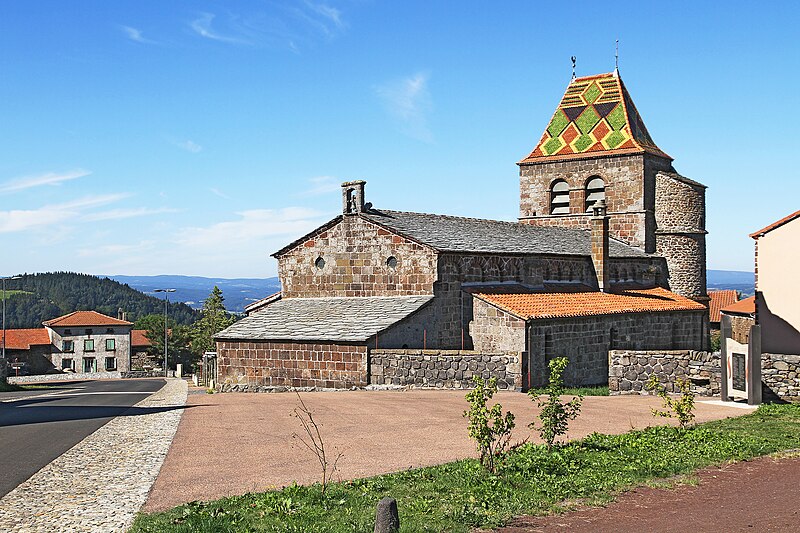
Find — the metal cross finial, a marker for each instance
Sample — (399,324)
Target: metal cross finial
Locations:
(573,67)
(616,57)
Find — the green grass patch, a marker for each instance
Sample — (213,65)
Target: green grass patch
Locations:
(462,495)
(596,390)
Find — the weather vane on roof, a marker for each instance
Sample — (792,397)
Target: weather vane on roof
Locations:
(616,58)
(573,67)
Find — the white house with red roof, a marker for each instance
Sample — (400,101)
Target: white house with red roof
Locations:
(79,342)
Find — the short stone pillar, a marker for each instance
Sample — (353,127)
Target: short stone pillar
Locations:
(387,520)
(179,370)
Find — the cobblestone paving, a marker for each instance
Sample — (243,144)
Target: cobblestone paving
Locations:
(99,484)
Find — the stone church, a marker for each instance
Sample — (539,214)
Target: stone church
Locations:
(608,253)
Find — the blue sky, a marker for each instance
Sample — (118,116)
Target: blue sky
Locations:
(196,138)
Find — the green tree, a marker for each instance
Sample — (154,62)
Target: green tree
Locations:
(178,338)
(555,414)
(213,319)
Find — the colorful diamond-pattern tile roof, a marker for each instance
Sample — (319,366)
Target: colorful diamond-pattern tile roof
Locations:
(596,117)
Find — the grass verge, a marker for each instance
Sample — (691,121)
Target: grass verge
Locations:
(461,495)
(9,387)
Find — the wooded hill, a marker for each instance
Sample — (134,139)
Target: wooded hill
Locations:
(39,297)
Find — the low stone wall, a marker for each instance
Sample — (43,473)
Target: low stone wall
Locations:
(781,375)
(133,374)
(629,370)
(66,376)
(449,369)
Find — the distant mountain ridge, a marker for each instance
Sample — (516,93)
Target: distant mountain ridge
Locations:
(239,292)
(192,290)
(43,296)
(744,282)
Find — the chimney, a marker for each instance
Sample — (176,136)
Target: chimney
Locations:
(599,226)
(120,314)
(353,197)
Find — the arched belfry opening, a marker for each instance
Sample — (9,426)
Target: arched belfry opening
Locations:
(353,197)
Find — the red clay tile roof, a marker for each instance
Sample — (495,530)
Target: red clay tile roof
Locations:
(742,307)
(774,225)
(86,318)
(23,339)
(139,338)
(720,299)
(532,305)
(596,117)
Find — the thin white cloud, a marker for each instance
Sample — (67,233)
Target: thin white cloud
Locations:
(321,185)
(116,250)
(117,214)
(49,178)
(219,193)
(190,146)
(202,27)
(409,102)
(135,34)
(330,13)
(251,227)
(50,215)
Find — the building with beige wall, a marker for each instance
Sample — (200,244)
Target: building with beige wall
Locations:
(777,258)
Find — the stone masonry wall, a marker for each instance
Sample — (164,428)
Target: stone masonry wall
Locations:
(780,376)
(494,330)
(452,369)
(586,341)
(255,365)
(629,182)
(629,370)
(680,233)
(355,254)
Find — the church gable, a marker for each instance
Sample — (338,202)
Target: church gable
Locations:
(352,256)
(596,116)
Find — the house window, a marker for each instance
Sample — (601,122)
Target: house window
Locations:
(68,346)
(68,364)
(559,198)
(391,262)
(110,330)
(88,345)
(89,364)
(87,331)
(595,191)
(111,345)
(111,363)
(319,263)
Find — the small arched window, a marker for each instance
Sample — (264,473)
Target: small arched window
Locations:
(391,262)
(595,191)
(559,198)
(319,263)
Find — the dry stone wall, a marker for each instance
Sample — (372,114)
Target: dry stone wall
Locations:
(780,376)
(451,369)
(629,370)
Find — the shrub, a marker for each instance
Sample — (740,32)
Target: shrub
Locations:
(681,408)
(555,414)
(488,427)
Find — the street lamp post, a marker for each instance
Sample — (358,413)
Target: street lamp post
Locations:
(166,303)
(4,311)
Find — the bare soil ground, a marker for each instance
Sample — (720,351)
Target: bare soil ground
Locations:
(759,495)
(234,443)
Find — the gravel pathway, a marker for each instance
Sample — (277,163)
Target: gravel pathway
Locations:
(105,492)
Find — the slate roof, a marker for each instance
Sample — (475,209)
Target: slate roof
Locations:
(573,301)
(324,319)
(596,117)
(720,299)
(86,318)
(23,339)
(474,235)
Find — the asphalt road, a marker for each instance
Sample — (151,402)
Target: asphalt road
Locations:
(38,426)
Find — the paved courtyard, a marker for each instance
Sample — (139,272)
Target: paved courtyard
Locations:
(234,443)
